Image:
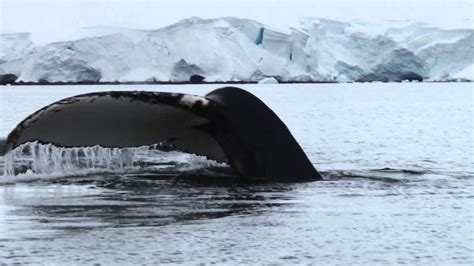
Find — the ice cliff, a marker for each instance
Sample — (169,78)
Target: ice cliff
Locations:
(13,47)
(234,49)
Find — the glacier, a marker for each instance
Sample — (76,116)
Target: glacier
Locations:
(237,49)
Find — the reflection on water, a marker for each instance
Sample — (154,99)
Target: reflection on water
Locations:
(130,201)
(391,216)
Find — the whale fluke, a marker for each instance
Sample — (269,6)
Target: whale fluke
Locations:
(227,125)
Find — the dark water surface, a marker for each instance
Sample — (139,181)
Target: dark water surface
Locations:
(398,164)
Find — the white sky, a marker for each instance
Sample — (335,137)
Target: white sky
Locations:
(54,20)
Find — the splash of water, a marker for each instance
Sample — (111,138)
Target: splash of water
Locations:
(47,159)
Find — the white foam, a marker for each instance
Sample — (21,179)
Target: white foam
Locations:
(34,160)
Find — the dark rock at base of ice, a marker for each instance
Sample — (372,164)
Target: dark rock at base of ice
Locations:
(387,77)
(182,71)
(7,79)
(195,79)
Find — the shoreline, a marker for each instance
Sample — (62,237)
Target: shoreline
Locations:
(205,83)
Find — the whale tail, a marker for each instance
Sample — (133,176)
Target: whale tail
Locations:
(3,143)
(227,125)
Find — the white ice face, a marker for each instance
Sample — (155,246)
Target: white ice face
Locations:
(234,49)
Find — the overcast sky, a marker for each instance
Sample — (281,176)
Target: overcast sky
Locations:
(53,20)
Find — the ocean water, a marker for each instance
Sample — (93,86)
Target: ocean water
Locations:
(398,163)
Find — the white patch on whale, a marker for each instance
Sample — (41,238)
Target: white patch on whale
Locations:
(191,100)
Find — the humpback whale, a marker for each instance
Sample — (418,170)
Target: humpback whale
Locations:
(227,125)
